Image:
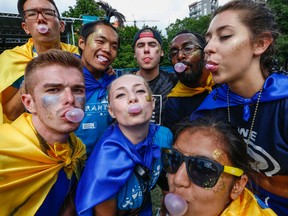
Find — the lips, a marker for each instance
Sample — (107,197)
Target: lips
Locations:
(211,66)
(147,59)
(134,109)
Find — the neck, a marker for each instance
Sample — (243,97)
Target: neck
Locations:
(135,133)
(148,74)
(247,85)
(41,48)
(95,73)
(50,136)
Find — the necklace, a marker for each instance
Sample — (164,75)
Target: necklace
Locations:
(254,115)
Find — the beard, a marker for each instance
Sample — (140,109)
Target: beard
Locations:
(192,76)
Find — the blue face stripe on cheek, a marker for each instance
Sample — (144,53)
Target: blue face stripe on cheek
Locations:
(49,101)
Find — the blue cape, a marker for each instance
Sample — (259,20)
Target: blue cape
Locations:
(275,87)
(110,165)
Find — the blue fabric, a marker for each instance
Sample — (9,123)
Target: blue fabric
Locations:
(278,204)
(109,169)
(92,85)
(96,117)
(274,88)
(56,197)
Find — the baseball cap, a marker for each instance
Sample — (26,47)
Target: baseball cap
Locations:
(147,32)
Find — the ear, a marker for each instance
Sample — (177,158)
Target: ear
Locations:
(62,26)
(28,102)
(23,24)
(263,43)
(162,53)
(81,42)
(238,187)
(110,110)
(154,102)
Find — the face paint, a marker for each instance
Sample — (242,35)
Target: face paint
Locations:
(96,34)
(148,98)
(216,154)
(81,100)
(49,101)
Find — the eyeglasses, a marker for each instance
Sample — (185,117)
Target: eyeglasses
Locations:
(33,14)
(201,171)
(187,50)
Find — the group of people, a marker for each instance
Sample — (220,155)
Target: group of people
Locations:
(214,134)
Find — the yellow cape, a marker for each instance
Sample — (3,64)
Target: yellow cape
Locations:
(26,173)
(180,90)
(247,205)
(13,63)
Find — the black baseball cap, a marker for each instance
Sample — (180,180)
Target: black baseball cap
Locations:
(147,32)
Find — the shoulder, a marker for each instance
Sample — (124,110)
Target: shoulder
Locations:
(163,137)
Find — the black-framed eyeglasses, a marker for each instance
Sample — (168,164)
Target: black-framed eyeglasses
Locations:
(201,171)
(187,50)
(32,14)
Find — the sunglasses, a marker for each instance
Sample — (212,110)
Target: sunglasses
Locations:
(201,171)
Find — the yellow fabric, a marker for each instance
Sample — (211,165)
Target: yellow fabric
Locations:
(13,63)
(247,205)
(180,90)
(26,173)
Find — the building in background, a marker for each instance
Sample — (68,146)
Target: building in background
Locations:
(200,8)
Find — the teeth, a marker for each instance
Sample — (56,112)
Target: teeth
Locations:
(102,58)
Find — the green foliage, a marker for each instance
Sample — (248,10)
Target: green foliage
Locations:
(83,7)
(125,57)
(280,9)
(196,25)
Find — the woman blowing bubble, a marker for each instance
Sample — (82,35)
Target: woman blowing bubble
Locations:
(240,43)
(208,168)
(125,164)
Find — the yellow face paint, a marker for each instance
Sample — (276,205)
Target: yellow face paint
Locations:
(216,154)
(96,34)
(148,98)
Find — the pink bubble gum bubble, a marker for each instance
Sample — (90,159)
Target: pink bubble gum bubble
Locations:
(175,204)
(74,115)
(134,108)
(42,28)
(179,67)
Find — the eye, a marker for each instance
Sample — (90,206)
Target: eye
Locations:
(98,41)
(141,91)
(153,44)
(225,37)
(78,90)
(189,47)
(140,45)
(120,95)
(53,90)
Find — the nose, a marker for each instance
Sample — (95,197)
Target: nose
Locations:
(69,97)
(132,98)
(209,48)
(106,47)
(181,178)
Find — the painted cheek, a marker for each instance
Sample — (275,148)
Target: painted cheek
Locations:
(220,186)
(81,100)
(49,101)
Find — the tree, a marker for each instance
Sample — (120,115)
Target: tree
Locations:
(83,7)
(280,9)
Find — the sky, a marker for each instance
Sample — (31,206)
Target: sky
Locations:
(162,12)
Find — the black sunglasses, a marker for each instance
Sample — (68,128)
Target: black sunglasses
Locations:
(201,171)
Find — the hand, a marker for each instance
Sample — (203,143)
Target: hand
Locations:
(110,71)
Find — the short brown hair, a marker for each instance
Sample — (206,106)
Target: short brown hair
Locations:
(51,57)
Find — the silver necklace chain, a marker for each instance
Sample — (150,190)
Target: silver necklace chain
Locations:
(254,115)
